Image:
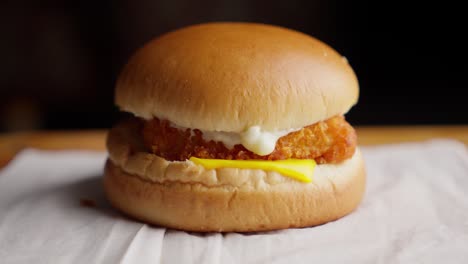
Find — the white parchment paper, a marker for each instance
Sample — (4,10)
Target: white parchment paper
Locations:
(415,211)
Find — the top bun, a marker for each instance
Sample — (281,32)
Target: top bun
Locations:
(231,76)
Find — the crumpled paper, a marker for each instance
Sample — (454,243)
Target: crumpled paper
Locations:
(53,210)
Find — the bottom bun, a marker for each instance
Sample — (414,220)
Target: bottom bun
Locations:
(336,190)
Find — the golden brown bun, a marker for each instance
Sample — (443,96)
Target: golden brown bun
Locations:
(187,196)
(230,76)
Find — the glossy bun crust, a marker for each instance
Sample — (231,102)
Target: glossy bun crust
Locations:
(230,76)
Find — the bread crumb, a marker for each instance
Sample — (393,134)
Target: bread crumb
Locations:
(87,202)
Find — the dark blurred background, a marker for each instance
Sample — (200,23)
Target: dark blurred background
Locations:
(60,59)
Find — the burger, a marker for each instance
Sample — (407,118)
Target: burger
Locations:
(235,127)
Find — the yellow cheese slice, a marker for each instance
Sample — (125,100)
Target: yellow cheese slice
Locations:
(301,170)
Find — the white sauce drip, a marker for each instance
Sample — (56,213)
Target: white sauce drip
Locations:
(254,138)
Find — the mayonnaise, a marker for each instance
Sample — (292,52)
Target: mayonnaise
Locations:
(254,139)
(260,142)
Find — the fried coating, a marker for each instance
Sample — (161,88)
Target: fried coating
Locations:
(329,141)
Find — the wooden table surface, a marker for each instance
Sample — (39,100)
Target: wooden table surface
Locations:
(11,144)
